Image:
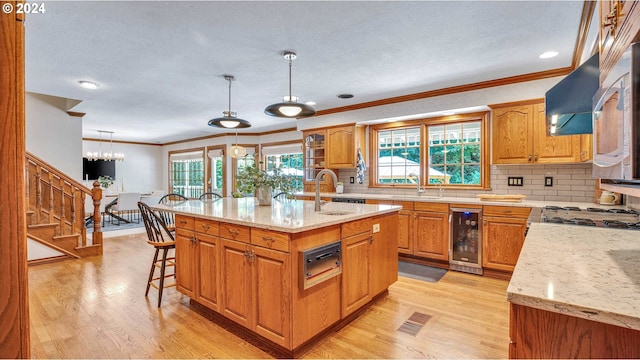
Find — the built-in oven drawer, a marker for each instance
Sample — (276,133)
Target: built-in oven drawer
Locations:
(319,264)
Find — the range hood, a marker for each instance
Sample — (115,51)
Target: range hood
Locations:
(569,104)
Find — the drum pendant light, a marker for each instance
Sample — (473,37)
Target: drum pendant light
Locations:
(229,120)
(289,108)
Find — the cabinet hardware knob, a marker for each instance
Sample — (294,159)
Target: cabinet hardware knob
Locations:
(235,232)
(370,239)
(183,222)
(268,238)
(206,227)
(484,222)
(529,158)
(535,157)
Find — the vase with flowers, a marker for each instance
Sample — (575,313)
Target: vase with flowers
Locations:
(261,183)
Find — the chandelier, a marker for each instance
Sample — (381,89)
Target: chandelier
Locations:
(108,156)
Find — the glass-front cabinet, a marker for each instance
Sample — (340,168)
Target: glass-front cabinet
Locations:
(314,160)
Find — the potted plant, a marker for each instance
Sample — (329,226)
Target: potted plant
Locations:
(253,180)
(105,181)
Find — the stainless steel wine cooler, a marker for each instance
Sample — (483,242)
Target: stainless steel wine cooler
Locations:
(465,245)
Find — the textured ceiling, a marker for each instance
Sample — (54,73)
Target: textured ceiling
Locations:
(161,64)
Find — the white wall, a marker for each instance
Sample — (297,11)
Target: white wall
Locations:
(47,127)
(142,167)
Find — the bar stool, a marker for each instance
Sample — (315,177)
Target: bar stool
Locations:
(161,239)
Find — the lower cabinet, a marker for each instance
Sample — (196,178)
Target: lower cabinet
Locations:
(503,232)
(431,234)
(186,259)
(356,257)
(208,259)
(256,289)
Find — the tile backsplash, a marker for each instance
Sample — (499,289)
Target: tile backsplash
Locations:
(571,182)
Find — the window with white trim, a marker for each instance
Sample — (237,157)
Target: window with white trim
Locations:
(287,157)
(187,173)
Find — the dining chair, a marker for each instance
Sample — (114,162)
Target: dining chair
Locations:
(167,216)
(210,196)
(158,236)
(153,198)
(126,204)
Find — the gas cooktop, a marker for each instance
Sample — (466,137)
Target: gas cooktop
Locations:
(600,217)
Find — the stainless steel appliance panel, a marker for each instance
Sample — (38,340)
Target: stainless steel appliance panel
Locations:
(319,264)
(465,245)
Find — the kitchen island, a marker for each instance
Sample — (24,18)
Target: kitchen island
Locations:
(575,293)
(263,271)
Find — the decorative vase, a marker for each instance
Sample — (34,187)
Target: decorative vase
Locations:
(264,196)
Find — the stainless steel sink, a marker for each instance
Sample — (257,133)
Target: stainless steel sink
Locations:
(335,212)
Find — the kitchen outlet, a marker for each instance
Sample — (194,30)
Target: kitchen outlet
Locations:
(352,180)
(548,181)
(376,228)
(515,180)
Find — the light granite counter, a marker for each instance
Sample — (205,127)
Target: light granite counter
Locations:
(580,271)
(460,200)
(290,216)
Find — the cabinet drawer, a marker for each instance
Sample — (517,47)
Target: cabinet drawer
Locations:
(429,206)
(270,239)
(355,227)
(406,205)
(235,232)
(511,211)
(185,222)
(207,226)
(378,202)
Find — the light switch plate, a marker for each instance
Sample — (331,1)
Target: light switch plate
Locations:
(352,180)
(376,228)
(548,181)
(515,181)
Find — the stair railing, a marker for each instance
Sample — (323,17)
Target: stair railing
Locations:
(54,197)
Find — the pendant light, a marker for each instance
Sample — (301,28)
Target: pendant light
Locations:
(289,108)
(229,120)
(237,151)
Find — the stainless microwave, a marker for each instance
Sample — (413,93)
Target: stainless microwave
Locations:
(616,121)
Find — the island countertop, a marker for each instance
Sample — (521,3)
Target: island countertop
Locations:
(291,216)
(585,272)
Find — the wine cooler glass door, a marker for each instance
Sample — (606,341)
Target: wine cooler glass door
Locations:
(465,253)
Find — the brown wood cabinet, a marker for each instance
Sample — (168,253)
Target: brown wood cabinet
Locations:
(342,146)
(503,233)
(431,231)
(235,281)
(207,278)
(356,257)
(540,334)
(383,254)
(314,154)
(186,256)
(619,27)
(520,137)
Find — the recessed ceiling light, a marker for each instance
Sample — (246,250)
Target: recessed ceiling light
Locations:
(89,84)
(310,103)
(548,54)
(345,96)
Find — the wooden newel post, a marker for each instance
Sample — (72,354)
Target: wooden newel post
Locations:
(96,195)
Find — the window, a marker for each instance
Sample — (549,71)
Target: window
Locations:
(452,152)
(240,163)
(287,157)
(186,175)
(215,181)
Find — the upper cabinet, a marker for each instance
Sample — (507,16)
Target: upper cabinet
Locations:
(520,137)
(619,25)
(331,148)
(342,146)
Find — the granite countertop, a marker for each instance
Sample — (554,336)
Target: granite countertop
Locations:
(291,216)
(461,200)
(580,271)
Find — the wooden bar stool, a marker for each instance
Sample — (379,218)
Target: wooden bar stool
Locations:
(161,239)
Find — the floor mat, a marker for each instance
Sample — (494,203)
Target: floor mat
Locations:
(108,226)
(420,272)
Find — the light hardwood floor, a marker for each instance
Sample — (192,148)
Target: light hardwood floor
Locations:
(95,308)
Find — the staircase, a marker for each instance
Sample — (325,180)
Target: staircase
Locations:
(56,211)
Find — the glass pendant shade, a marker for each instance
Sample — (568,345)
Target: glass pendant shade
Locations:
(289,108)
(237,151)
(229,120)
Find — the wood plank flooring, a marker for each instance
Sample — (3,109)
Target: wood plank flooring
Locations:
(95,308)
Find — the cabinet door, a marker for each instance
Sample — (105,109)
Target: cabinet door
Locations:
(502,241)
(186,262)
(431,235)
(356,254)
(512,142)
(552,149)
(384,254)
(405,238)
(341,147)
(235,279)
(271,276)
(208,271)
